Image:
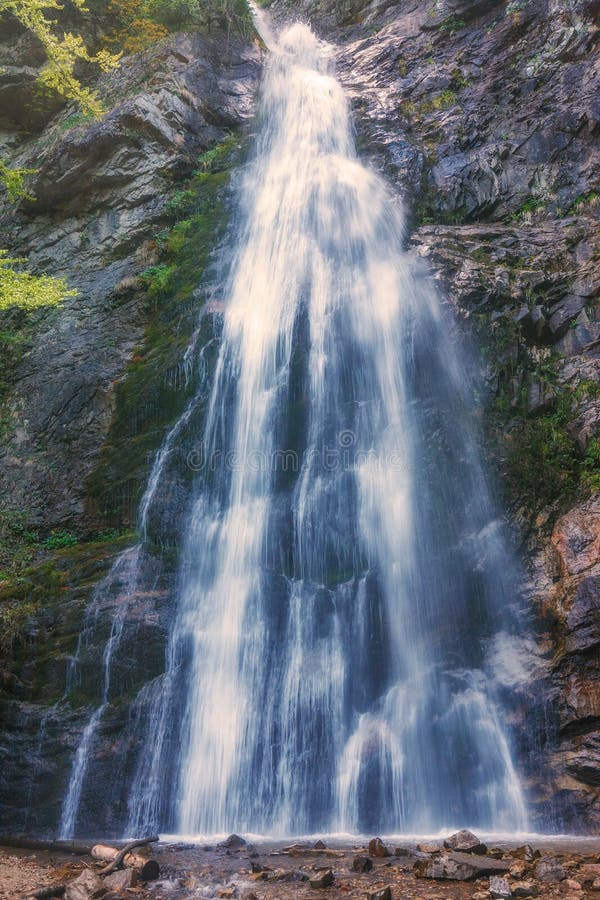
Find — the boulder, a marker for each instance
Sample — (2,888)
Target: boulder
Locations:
(87,886)
(518,869)
(549,870)
(233,842)
(377,848)
(465,841)
(324,880)
(119,881)
(362,864)
(428,847)
(319,845)
(455,866)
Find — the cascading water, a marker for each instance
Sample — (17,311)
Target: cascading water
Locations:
(343,570)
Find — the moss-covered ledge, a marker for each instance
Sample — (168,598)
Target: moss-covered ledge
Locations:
(158,380)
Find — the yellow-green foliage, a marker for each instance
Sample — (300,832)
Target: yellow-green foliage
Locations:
(25,291)
(63,51)
(14,182)
(134,28)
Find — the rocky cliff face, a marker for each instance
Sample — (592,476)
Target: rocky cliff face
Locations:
(130,209)
(485,116)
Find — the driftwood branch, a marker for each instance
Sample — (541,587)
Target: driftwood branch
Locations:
(118,859)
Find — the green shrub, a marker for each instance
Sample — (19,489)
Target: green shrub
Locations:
(58,539)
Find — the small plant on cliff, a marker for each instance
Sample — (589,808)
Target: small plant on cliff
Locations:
(452,24)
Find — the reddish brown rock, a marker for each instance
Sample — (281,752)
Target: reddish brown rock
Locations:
(377,848)
(576,539)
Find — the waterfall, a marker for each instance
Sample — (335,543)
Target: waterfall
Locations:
(343,568)
(343,575)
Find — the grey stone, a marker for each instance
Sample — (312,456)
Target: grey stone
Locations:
(549,870)
(465,841)
(326,879)
(87,886)
(500,888)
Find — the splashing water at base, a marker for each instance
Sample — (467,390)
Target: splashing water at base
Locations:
(343,571)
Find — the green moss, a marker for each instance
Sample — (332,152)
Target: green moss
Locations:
(150,396)
(45,597)
(543,463)
(528,208)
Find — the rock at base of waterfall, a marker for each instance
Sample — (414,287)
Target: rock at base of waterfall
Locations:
(524,889)
(549,870)
(428,847)
(589,872)
(518,869)
(402,851)
(466,842)
(382,894)
(455,866)
(87,886)
(571,885)
(324,880)
(233,842)
(500,888)
(362,864)
(526,853)
(121,880)
(377,848)
(319,845)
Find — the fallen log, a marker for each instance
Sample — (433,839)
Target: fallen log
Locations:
(25,842)
(149,869)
